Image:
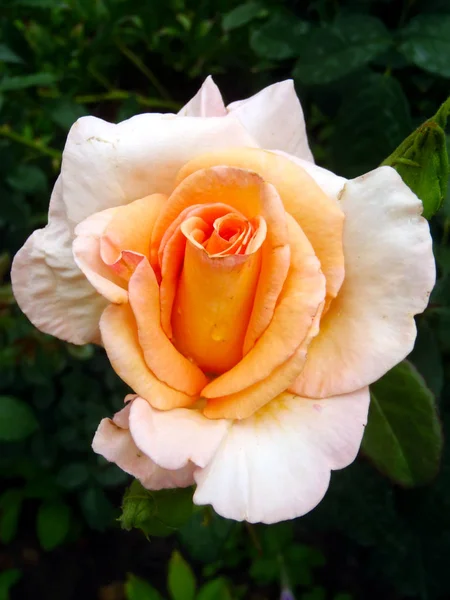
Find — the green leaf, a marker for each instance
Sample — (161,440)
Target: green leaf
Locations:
(97,509)
(241,15)
(373,119)
(73,476)
(53,522)
(279,38)
(316,593)
(155,513)
(334,50)
(217,589)
(422,161)
(10,507)
(427,358)
(139,589)
(21,82)
(180,579)
(17,420)
(426,43)
(28,179)
(8,56)
(7,579)
(403,437)
(65,112)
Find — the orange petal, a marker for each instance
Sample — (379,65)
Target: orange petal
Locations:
(244,403)
(130,229)
(319,215)
(161,356)
(299,302)
(238,188)
(120,339)
(212,307)
(171,255)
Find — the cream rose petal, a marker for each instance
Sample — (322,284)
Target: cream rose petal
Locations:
(274,118)
(114,442)
(174,438)
(106,165)
(207,102)
(276,465)
(49,287)
(389,274)
(330,183)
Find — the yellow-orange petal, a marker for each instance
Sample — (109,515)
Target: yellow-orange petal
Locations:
(162,358)
(120,339)
(319,215)
(299,302)
(244,403)
(212,306)
(130,229)
(171,255)
(238,188)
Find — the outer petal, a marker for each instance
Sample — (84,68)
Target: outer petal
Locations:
(87,255)
(276,465)
(176,437)
(390,273)
(120,338)
(207,102)
(330,183)
(106,165)
(103,238)
(274,118)
(49,287)
(113,441)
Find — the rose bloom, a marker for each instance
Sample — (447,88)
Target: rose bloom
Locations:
(247,296)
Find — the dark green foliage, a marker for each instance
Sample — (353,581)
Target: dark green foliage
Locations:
(403,435)
(371,74)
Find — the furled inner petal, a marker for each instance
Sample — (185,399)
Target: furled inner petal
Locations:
(169,260)
(162,358)
(213,304)
(120,339)
(298,304)
(319,215)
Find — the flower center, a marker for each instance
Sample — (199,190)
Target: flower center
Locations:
(216,289)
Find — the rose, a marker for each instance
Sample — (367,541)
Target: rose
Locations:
(247,296)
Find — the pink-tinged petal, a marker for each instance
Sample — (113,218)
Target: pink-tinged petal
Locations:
(274,118)
(110,244)
(49,287)
(390,273)
(130,228)
(114,442)
(162,358)
(207,102)
(86,252)
(299,302)
(276,465)
(174,438)
(330,183)
(106,165)
(120,338)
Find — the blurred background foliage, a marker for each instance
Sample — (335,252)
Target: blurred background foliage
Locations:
(368,72)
